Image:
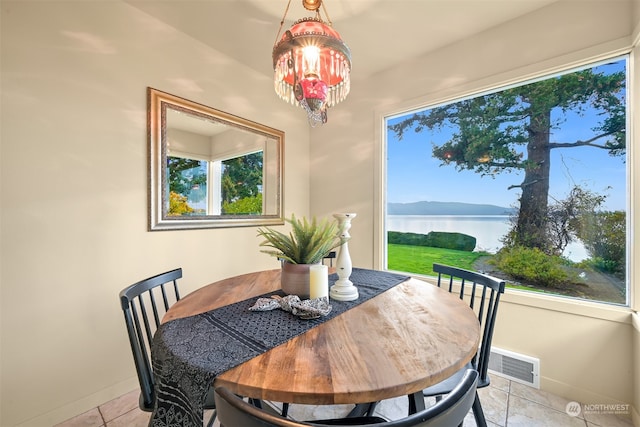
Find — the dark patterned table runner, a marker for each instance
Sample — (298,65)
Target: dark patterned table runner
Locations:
(188,353)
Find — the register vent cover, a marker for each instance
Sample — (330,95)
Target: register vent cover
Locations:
(514,366)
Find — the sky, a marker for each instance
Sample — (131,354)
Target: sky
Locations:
(414,175)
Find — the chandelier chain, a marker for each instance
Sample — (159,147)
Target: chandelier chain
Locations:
(282,22)
(324,8)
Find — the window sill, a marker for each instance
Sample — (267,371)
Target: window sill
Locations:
(568,305)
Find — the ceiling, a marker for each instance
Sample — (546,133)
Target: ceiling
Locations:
(380,33)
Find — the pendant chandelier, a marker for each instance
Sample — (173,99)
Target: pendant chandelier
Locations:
(311,64)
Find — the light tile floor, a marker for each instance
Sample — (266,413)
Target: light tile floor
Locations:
(505,403)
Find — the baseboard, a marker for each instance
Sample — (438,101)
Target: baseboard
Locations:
(81,406)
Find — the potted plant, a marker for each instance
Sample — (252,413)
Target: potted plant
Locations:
(307,243)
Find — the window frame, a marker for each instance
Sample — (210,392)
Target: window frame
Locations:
(596,309)
(215,170)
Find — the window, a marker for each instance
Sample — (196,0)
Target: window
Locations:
(220,187)
(188,180)
(528,183)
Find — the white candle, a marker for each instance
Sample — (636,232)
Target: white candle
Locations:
(318,281)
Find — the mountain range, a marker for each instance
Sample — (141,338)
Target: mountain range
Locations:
(446,208)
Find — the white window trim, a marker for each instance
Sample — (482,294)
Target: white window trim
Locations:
(601,310)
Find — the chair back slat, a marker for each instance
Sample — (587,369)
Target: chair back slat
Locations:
(483,298)
(142,317)
(473,295)
(146,332)
(154,306)
(483,361)
(164,297)
(140,358)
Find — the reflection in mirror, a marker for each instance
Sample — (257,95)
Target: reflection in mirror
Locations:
(211,169)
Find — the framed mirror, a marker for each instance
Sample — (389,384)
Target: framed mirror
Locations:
(210,169)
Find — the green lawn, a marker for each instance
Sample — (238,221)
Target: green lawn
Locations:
(420,259)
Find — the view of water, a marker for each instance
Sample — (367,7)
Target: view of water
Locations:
(487,229)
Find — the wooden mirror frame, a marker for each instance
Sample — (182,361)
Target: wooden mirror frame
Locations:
(272,188)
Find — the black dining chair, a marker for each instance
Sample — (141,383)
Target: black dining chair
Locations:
(448,412)
(143,304)
(483,295)
(329,258)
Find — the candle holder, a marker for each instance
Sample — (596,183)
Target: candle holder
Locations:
(343,289)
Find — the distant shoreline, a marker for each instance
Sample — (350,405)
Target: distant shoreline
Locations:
(447,208)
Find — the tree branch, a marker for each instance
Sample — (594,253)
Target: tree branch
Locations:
(504,165)
(579,143)
(524,184)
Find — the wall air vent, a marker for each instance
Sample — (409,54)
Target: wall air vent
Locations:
(515,367)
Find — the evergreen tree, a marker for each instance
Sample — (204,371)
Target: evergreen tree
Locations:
(513,128)
(242,177)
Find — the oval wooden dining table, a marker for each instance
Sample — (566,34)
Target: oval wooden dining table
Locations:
(397,343)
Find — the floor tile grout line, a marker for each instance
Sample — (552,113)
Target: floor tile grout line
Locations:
(551,408)
(104,422)
(506,411)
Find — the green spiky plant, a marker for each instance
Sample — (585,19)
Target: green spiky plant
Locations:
(307,243)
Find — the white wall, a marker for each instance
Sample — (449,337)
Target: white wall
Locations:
(585,350)
(74,192)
